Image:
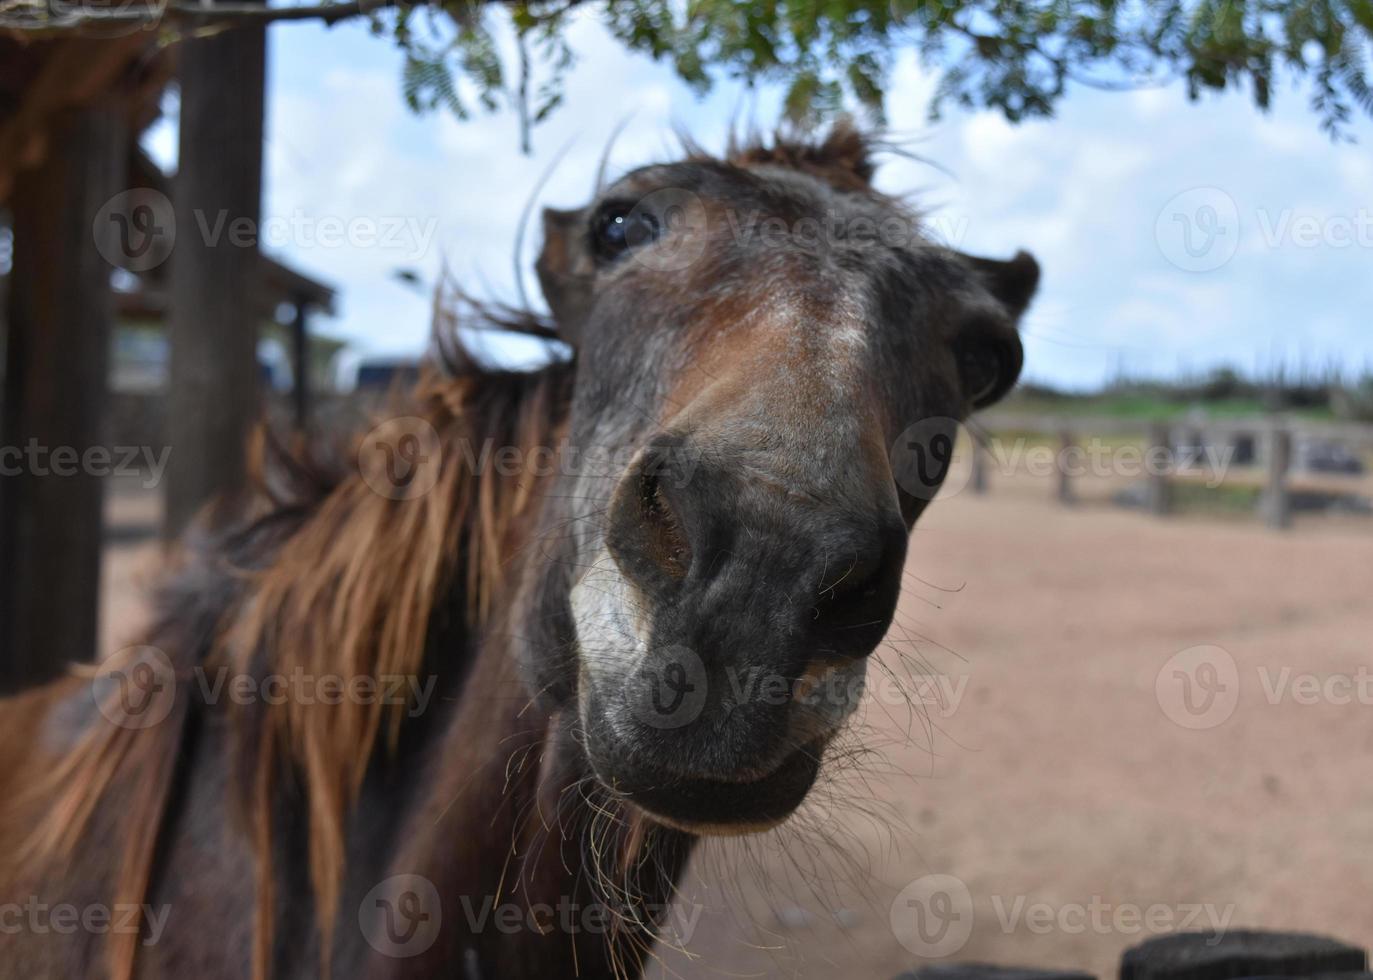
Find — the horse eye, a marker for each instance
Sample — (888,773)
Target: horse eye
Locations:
(619,227)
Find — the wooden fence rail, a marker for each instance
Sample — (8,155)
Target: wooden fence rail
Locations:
(1274,438)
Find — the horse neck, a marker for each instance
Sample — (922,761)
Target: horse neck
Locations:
(512,827)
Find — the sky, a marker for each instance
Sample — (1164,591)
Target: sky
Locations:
(1173,236)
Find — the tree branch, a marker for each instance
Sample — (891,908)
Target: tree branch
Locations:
(38,18)
(63,16)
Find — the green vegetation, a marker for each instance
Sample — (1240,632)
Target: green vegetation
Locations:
(1223,393)
(836,55)
(1227,499)
(1018,57)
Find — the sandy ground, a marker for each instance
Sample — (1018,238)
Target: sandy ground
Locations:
(1056,790)
(1074,814)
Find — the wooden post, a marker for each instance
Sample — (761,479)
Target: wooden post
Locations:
(979,464)
(300,357)
(1064,491)
(1160,491)
(1276,502)
(52,422)
(214,397)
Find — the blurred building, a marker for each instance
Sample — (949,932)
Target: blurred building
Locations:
(108,336)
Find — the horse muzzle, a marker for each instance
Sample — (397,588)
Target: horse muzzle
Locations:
(723,633)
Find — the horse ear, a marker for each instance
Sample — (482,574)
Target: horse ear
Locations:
(988,349)
(1011,281)
(566,270)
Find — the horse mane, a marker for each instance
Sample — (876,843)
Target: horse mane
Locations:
(843,157)
(353,591)
(313,571)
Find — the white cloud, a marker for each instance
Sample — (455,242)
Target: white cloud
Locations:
(1082,191)
(1150,103)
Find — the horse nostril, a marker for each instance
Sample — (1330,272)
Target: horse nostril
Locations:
(857,582)
(664,538)
(646,535)
(857,600)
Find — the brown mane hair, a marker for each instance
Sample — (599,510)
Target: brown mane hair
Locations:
(353,592)
(843,158)
(327,577)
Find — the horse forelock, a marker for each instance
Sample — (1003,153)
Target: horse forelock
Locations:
(843,157)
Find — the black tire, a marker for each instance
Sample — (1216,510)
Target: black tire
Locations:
(1246,953)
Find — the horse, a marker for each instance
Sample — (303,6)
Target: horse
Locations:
(458,697)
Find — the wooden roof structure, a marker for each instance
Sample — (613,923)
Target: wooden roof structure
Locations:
(278,282)
(40,78)
(71,111)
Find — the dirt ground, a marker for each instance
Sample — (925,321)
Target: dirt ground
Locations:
(1056,791)
(1075,816)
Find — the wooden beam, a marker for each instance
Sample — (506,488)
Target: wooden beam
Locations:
(75,72)
(1160,489)
(979,464)
(214,397)
(59,321)
(1276,501)
(300,358)
(1064,487)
